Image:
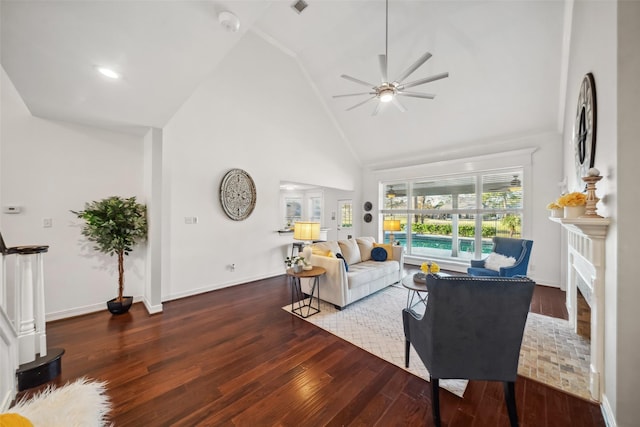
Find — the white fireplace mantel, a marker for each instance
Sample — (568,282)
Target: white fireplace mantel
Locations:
(590,227)
(586,269)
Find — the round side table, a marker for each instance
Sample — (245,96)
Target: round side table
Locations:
(297,297)
(416,290)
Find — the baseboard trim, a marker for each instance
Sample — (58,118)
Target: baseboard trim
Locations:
(152,309)
(607,412)
(79,311)
(213,287)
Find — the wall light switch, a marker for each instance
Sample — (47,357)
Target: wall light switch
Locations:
(47,222)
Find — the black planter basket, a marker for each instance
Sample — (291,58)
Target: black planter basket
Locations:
(116,307)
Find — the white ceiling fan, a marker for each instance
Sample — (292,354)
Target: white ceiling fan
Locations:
(389,91)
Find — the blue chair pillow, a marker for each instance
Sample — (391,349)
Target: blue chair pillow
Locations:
(379,254)
(346,265)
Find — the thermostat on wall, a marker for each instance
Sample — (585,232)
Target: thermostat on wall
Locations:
(12,209)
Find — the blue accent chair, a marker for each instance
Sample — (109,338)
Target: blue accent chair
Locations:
(472,328)
(519,249)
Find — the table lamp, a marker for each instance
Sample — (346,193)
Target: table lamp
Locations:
(391,225)
(307,232)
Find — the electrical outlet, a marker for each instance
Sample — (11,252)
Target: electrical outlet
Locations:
(12,209)
(47,222)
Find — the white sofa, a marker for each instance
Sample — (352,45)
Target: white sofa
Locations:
(365,275)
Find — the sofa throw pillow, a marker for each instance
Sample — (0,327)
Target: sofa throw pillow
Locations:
(495,260)
(379,254)
(365,244)
(323,248)
(350,251)
(387,247)
(346,264)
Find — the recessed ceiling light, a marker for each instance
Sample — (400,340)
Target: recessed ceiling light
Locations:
(108,72)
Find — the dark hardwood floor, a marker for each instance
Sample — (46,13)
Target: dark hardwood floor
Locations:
(233,357)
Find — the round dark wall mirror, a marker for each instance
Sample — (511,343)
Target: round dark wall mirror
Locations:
(367,206)
(367,217)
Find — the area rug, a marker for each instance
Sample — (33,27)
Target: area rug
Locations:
(375,325)
(551,352)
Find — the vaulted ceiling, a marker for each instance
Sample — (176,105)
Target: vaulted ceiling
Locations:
(505,60)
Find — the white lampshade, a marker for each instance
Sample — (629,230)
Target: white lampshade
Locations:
(307,231)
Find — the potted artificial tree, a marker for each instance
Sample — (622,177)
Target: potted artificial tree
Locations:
(115,225)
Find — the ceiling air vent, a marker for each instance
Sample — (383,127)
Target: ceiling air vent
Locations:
(299,6)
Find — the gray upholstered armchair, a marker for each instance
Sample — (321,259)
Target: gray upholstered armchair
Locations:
(472,329)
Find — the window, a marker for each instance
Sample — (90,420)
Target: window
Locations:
(455,216)
(293,210)
(315,208)
(346,215)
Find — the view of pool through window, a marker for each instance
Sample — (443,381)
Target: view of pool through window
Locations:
(455,217)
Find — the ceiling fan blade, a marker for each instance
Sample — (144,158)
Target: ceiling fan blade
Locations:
(417,95)
(377,109)
(423,81)
(362,82)
(354,94)
(360,103)
(383,67)
(398,104)
(414,66)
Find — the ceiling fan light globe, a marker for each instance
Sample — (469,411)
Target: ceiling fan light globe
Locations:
(386,96)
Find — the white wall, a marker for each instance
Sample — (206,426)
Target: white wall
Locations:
(593,49)
(541,159)
(628,153)
(50,168)
(257,112)
(604,41)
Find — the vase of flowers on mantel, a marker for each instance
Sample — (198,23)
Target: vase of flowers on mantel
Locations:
(555,210)
(574,204)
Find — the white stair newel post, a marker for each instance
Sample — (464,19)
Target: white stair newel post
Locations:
(24,309)
(41,332)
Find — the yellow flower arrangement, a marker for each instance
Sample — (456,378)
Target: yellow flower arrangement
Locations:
(429,268)
(572,199)
(553,206)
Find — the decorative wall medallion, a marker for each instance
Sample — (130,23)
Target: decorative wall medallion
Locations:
(367,206)
(237,194)
(584,129)
(367,217)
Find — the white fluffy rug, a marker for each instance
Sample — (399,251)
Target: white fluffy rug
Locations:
(82,403)
(551,353)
